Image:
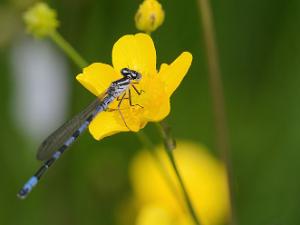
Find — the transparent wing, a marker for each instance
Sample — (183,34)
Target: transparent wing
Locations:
(55,140)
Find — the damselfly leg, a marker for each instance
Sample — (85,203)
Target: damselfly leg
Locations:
(120,112)
(121,100)
(136,90)
(130,99)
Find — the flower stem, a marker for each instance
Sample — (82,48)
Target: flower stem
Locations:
(169,147)
(144,139)
(68,50)
(222,136)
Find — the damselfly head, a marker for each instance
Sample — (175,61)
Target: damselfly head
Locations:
(131,74)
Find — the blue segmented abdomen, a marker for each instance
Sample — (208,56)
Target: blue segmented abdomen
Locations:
(34,179)
(55,155)
(28,187)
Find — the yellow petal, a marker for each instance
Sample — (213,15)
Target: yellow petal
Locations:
(154,99)
(105,124)
(152,213)
(163,110)
(132,117)
(160,111)
(111,122)
(136,52)
(173,74)
(97,77)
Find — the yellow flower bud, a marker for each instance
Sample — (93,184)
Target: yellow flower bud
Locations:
(149,16)
(40,20)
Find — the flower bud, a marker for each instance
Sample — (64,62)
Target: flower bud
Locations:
(149,16)
(40,20)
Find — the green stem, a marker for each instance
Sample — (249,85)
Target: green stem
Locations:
(216,88)
(169,147)
(144,139)
(68,50)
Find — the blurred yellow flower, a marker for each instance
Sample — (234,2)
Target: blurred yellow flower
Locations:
(154,214)
(40,20)
(204,178)
(149,16)
(136,52)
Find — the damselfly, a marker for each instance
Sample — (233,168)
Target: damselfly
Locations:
(56,144)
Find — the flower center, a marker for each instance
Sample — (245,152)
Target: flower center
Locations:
(129,108)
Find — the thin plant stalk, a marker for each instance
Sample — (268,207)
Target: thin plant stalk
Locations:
(68,49)
(144,139)
(170,145)
(216,88)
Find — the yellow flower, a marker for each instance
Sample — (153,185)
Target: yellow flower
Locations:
(40,20)
(154,214)
(149,16)
(136,52)
(204,177)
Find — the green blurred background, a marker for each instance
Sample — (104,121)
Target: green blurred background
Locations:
(259,54)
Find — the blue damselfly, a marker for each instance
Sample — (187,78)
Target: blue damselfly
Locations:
(56,144)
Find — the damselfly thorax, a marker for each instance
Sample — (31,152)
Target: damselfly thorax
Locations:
(62,138)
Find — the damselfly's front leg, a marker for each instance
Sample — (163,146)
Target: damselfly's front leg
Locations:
(119,110)
(136,90)
(130,99)
(119,98)
(123,97)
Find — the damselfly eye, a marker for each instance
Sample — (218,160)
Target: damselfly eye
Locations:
(125,72)
(136,75)
(131,74)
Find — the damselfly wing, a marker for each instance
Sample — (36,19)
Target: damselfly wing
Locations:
(59,136)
